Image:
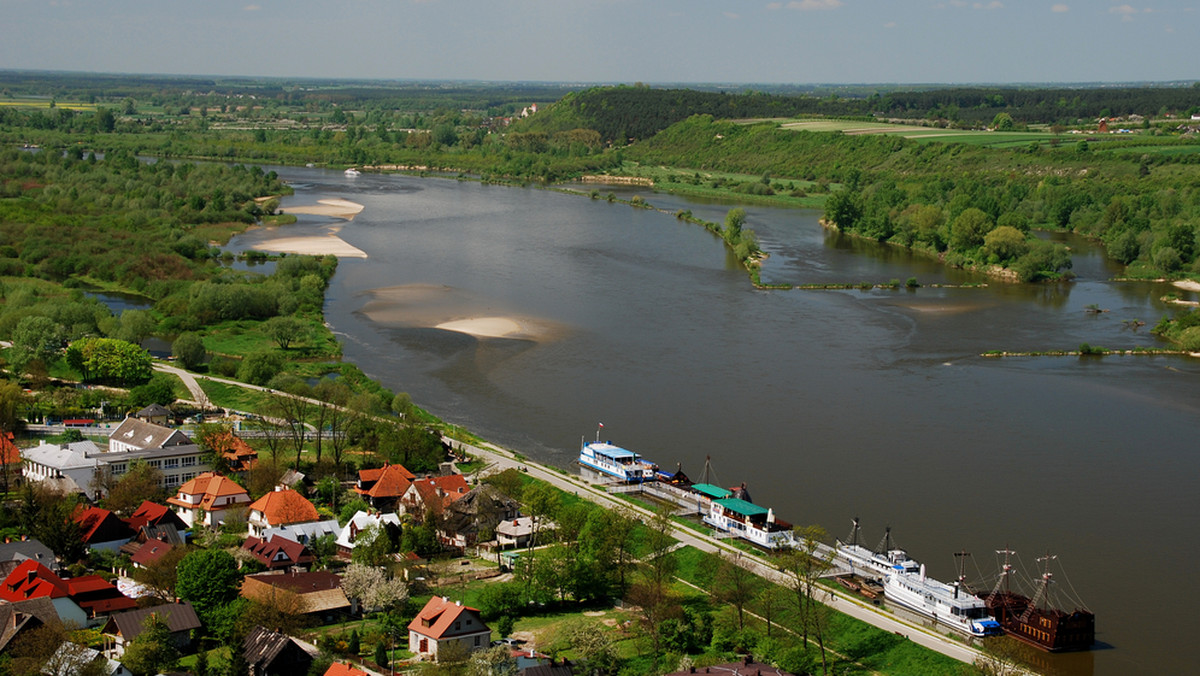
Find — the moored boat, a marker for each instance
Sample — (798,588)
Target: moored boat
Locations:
(874,563)
(352,172)
(1035,620)
(948,604)
(614,462)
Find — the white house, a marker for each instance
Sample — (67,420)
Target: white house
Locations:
(358,523)
(442,622)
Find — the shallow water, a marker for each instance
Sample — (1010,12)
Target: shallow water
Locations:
(829,404)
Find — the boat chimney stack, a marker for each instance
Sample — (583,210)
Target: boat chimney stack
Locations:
(770,515)
(922,572)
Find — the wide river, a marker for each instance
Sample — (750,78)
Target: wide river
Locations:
(828,404)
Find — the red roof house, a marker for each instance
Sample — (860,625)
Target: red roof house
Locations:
(238,454)
(149,552)
(90,596)
(154,514)
(207,499)
(101,529)
(278,552)
(382,488)
(442,622)
(433,494)
(343,669)
(280,507)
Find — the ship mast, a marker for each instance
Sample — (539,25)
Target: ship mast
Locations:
(885,545)
(1047,578)
(853,539)
(1004,573)
(704,479)
(960,559)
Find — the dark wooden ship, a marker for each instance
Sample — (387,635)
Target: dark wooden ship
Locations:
(1034,620)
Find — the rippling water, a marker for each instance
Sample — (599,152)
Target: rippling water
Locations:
(829,404)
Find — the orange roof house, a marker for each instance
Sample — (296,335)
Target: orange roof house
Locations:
(207,499)
(434,494)
(280,507)
(238,454)
(442,622)
(9,453)
(343,669)
(382,488)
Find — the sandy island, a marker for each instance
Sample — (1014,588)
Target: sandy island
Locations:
(485,327)
(319,245)
(1187,285)
(335,208)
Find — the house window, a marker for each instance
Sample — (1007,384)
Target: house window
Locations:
(476,641)
(118,467)
(171,463)
(155,463)
(457,626)
(188,461)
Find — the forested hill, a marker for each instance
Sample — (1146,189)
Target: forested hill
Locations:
(624,114)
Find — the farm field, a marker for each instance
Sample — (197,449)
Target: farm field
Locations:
(918,132)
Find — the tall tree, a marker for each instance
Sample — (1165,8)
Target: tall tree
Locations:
(152,651)
(804,566)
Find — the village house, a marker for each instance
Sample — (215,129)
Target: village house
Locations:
(83,600)
(156,515)
(155,414)
(14,552)
(238,456)
(135,434)
(304,533)
(316,593)
(443,622)
(22,616)
(270,652)
(73,658)
(102,530)
(278,552)
(473,517)
(343,669)
(382,488)
(280,507)
(207,499)
(358,523)
(432,495)
(180,619)
(67,468)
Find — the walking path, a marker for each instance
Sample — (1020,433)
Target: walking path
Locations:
(501,460)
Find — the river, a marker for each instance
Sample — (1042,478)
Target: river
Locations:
(828,404)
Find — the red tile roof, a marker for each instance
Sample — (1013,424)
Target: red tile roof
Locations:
(437,492)
(211,486)
(92,593)
(32,580)
(389,481)
(234,449)
(150,552)
(340,669)
(9,453)
(285,506)
(267,551)
(438,617)
(152,514)
(101,525)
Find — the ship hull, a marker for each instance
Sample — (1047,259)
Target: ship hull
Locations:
(1045,629)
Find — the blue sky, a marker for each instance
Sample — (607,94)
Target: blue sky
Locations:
(789,41)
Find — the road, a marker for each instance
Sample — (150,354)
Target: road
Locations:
(500,460)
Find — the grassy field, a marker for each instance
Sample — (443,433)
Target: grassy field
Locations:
(920,133)
(233,396)
(45,103)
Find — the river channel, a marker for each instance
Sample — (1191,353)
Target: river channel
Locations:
(828,404)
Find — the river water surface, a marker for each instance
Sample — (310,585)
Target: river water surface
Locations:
(828,404)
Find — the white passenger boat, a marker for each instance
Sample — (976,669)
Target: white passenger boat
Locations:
(616,463)
(948,604)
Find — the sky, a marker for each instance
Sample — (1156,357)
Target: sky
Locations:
(613,41)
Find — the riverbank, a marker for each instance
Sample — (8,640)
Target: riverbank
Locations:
(318,245)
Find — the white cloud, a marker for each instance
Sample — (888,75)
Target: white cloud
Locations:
(1059,9)
(774,5)
(994,4)
(890,24)
(251,8)
(732,15)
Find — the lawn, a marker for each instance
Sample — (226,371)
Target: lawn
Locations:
(234,396)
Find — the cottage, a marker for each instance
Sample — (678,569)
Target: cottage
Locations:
(280,507)
(239,457)
(432,495)
(13,552)
(180,619)
(155,414)
(156,515)
(68,468)
(82,600)
(278,552)
(21,616)
(269,652)
(207,499)
(382,488)
(358,523)
(316,593)
(304,533)
(473,517)
(343,669)
(102,530)
(73,658)
(443,622)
